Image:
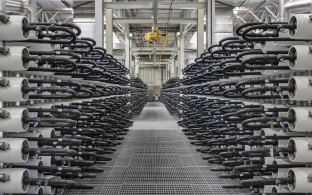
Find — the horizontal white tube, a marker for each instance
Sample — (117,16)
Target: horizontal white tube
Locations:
(303,23)
(14,61)
(13,30)
(15,152)
(301,180)
(15,184)
(14,123)
(302,152)
(14,91)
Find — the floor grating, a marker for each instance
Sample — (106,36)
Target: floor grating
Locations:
(156,158)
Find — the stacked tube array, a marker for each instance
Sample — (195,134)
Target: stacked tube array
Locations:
(246,103)
(66,105)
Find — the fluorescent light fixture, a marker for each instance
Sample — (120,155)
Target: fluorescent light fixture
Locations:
(235,10)
(178,34)
(130,35)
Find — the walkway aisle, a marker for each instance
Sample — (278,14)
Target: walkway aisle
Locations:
(156,158)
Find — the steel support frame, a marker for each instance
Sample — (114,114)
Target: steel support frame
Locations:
(200,30)
(151,63)
(157,49)
(2,5)
(155,10)
(99,23)
(137,66)
(181,58)
(109,28)
(150,20)
(172,67)
(189,26)
(149,5)
(157,66)
(53,16)
(33,7)
(151,53)
(128,54)
(281,10)
(210,22)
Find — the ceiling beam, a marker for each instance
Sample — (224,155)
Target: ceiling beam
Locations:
(225,4)
(151,53)
(149,5)
(82,4)
(157,48)
(151,63)
(153,66)
(150,20)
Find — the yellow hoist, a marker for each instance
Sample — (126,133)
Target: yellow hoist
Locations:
(153,36)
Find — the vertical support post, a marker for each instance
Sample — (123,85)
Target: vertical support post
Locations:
(99,23)
(167,70)
(281,10)
(179,53)
(3,5)
(161,75)
(181,64)
(171,70)
(33,7)
(210,22)
(175,68)
(109,29)
(132,66)
(137,66)
(200,30)
(155,4)
(130,54)
(127,52)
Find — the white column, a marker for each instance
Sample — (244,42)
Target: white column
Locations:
(99,23)
(130,55)
(210,22)
(200,30)
(3,5)
(281,10)
(172,66)
(33,13)
(181,64)
(132,67)
(178,57)
(109,29)
(175,62)
(127,53)
(137,67)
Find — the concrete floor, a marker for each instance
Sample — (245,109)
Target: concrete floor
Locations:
(156,158)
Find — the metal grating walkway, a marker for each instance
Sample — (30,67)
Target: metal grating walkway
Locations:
(156,158)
